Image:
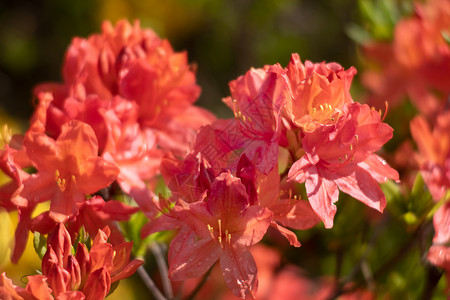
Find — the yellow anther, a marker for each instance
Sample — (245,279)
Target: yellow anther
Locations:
(243,118)
(57,174)
(220,240)
(356,137)
(314,111)
(330,107)
(351,147)
(229,238)
(239,114)
(211,231)
(295,197)
(73,178)
(321,107)
(346,156)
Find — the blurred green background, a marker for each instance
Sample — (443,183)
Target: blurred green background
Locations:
(223,37)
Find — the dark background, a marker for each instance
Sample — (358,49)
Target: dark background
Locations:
(223,37)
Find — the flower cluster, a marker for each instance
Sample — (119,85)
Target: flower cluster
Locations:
(85,275)
(416,63)
(231,188)
(124,115)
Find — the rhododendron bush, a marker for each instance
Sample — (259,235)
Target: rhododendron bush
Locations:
(294,197)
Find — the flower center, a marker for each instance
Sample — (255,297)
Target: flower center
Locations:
(219,235)
(62,182)
(325,113)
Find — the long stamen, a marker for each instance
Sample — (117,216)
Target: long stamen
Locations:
(211,230)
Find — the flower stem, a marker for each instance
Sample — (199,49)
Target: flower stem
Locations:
(150,284)
(163,271)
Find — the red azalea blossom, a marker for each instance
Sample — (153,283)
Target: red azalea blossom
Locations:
(85,275)
(219,228)
(416,63)
(318,92)
(69,168)
(137,93)
(136,65)
(66,169)
(434,152)
(439,253)
(256,100)
(342,156)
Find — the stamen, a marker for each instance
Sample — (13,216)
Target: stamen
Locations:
(229,238)
(220,227)
(73,178)
(386,104)
(295,197)
(290,193)
(314,111)
(351,147)
(321,107)
(243,118)
(211,231)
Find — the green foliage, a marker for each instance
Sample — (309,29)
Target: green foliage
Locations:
(379,18)
(40,244)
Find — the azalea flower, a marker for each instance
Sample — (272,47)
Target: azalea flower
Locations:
(219,227)
(318,92)
(342,156)
(256,99)
(416,63)
(137,93)
(439,253)
(68,169)
(85,275)
(434,152)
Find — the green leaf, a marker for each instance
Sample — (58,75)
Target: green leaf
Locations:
(446,36)
(40,244)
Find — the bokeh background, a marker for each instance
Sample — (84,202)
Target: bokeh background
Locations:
(224,38)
